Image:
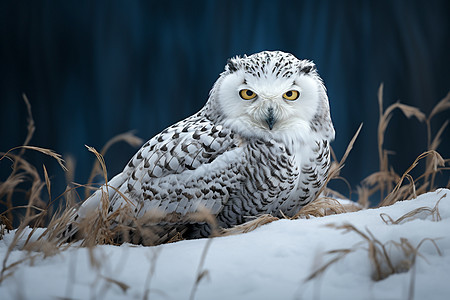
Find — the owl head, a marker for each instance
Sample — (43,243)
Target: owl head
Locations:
(272,94)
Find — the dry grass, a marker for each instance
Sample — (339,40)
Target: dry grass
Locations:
(388,258)
(99,165)
(385,261)
(201,272)
(38,211)
(387,182)
(122,226)
(418,213)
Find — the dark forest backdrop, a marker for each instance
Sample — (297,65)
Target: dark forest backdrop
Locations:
(94,69)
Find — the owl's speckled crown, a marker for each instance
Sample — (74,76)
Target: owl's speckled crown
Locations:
(278,63)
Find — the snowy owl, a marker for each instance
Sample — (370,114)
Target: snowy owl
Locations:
(260,145)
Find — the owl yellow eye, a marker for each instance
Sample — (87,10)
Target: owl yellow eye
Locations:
(247,94)
(291,95)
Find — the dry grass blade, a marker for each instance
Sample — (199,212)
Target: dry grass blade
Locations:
(418,213)
(127,137)
(23,206)
(151,271)
(30,127)
(341,254)
(123,286)
(408,111)
(69,194)
(250,225)
(412,187)
(443,105)
(364,194)
(333,155)
(70,165)
(319,208)
(47,182)
(350,145)
(101,160)
(335,168)
(382,125)
(396,195)
(376,177)
(45,151)
(437,138)
(201,273)
(11,183)
(384,262)
(378,256)
(433,241)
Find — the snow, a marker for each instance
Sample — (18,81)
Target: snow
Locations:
(271,262)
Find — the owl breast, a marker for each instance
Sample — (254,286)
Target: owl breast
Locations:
(314,163)
(277,180)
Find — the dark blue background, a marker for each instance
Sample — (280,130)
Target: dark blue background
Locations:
(96,69)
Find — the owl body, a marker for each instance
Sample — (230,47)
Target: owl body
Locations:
(259,145)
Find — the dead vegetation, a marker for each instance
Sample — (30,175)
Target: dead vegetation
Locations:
(104,228)
(387,181)
(386,259)
(382,260)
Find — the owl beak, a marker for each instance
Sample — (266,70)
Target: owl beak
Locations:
(270,118)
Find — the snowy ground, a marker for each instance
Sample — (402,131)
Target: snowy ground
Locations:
(271,262)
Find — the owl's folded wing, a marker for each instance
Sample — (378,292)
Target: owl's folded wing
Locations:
(191,164)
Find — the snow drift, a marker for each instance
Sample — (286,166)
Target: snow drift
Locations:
(394,252)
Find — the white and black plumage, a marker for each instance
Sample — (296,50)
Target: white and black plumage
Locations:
(259,145)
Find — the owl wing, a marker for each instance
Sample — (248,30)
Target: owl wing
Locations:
(190,164)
